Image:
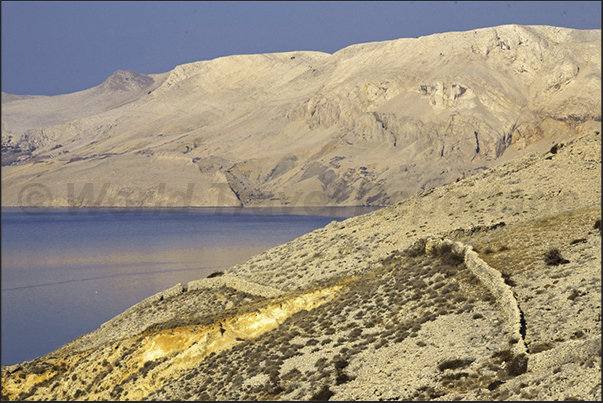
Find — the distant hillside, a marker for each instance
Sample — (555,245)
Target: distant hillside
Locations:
(370,124)
(488,288)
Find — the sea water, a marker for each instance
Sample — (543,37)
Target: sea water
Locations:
(65,272)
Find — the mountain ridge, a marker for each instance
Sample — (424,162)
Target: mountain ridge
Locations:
(361,126)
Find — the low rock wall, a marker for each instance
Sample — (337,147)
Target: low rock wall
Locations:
(235,283)
(493,280)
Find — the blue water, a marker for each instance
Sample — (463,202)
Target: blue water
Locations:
(64,273)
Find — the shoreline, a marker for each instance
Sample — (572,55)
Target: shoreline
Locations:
(264,210)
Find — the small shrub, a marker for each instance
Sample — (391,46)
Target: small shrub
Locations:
(320,363)
(292,374)
(417,249)
(468,307)
(488,250)
(539,347)
(503,355)
(216,274)
(518,365)
(555,148)
(355,333)
(553,257)
(495,384)
(448,256)
(340,363)
(38,370)
(454,364)
(574,294)
(459,298)
(342,378)
(507,278)
(323,394)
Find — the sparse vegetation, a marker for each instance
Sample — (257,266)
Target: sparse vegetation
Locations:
(517,365)
(507,278)
(454,364)
(392,303)
(539,347)
(323,394)
(553,257)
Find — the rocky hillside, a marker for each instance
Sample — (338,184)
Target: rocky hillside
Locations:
(370,124)
(488,288)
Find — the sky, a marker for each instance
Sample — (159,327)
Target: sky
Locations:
(55,47)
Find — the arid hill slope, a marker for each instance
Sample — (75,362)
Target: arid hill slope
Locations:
(368,125)
(456,293)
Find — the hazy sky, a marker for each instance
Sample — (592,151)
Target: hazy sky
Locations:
(51,48)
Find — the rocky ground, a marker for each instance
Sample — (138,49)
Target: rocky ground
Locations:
(488,288)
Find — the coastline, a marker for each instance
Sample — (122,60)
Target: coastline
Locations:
(335,211)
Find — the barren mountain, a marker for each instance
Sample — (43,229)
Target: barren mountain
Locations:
(370,124)
(480,282)
(488,288)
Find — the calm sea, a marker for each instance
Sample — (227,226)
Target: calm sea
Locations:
(65,273)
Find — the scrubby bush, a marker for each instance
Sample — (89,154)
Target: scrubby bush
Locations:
(518,365)
(553,257)
(323,394)
(454,364)
(539,347)
(448,256)
(340,363)
(417,248)
(507,278)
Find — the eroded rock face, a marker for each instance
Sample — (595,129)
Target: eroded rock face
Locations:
(368,125)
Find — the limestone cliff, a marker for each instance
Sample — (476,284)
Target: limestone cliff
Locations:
(370,124)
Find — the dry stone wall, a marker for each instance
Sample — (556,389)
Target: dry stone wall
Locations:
(495,283)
